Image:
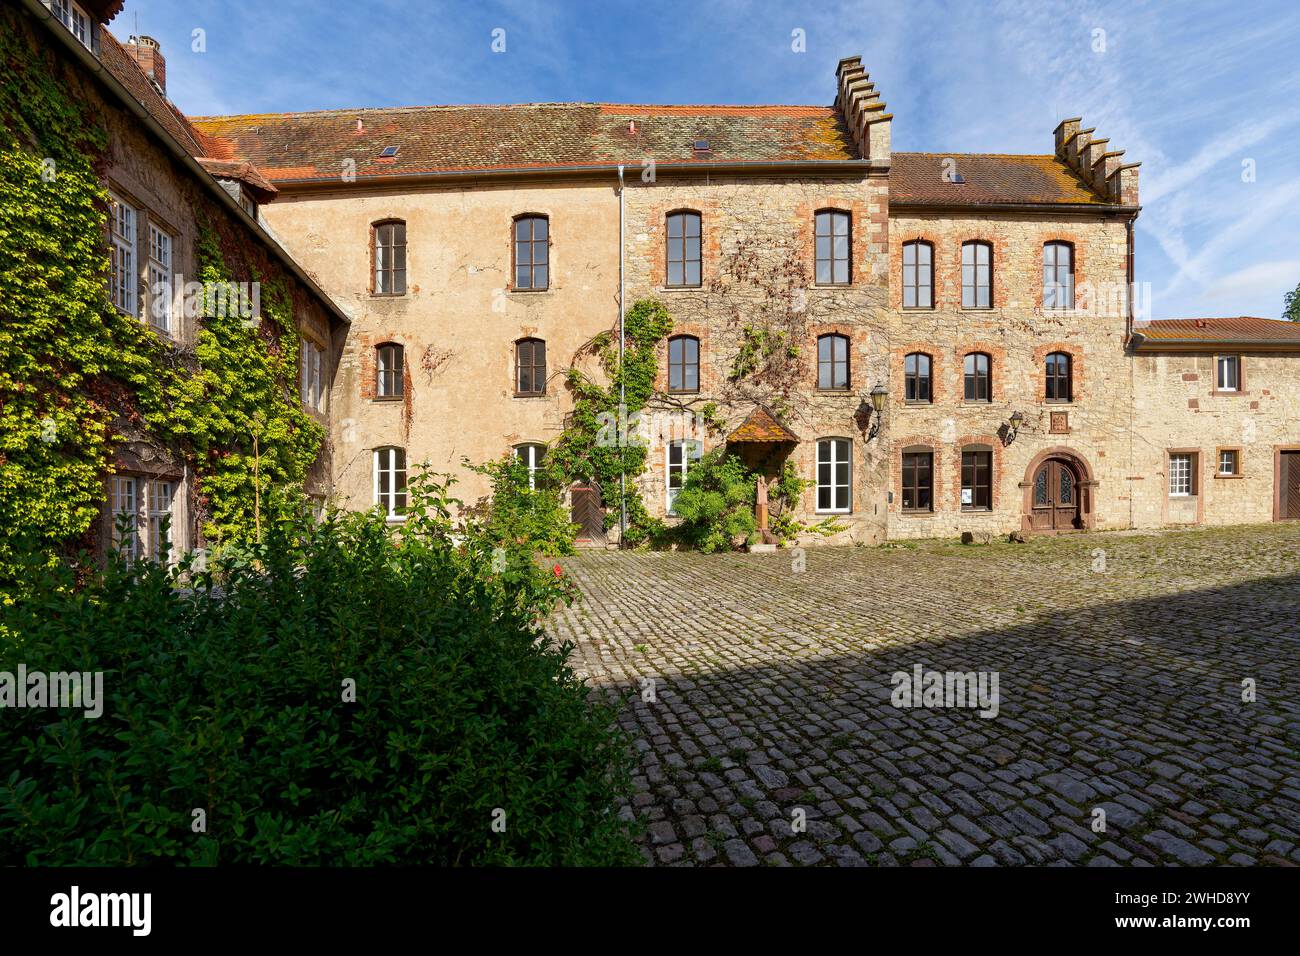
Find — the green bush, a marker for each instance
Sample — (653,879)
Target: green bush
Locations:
(516,516)
(229,697)
(716,504)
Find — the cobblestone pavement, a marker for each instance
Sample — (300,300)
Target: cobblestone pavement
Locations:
(1119,689)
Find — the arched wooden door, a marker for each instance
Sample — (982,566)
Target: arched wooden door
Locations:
(1054,497)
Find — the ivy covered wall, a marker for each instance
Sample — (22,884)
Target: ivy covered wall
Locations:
(77,377)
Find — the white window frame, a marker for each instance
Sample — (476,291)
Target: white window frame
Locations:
(1236,461)
(828,452)
(688,450)
(160,279)
(75,19)
(386,462)
(1180,474)
(162,503)
(532,455)
(126,501)
(1221,364)
(122,278)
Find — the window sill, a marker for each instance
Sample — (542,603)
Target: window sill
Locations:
(513,291)
(976,402)
(530,395)
(819,511)
(682,391)
(917,308)
(976,308)
(911,403)
(387,295)
(681,288)
(916,513)
(832,285)
(1230,477)
(972,510)
(388,398)
(395,519)
(1228,393)
(847,390)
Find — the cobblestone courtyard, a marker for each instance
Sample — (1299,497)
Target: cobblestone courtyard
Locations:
(1119,689)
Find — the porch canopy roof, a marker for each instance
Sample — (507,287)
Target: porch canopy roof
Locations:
(761,426)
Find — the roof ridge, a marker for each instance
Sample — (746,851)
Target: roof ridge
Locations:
(350,110)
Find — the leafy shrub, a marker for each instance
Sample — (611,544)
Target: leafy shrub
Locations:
(716,504)
(229,697)
(516,515)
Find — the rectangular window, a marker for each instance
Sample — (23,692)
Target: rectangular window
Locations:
(976,377)
(833,362)
(833,242)
(916,378)
(833,475)
(977,480)
(311,369)
(684,249)
(122,279)
(1182,475)
(126,517)
(531,455)
(162,532)
(1227,375)
(976,273)
(390,482)
(530,367)
(918,275)
(390,258)
(918,481)
(684,364)
(1229,462)
(1058,276)
(160,279)
(532,253)
(680,456)
(74,18)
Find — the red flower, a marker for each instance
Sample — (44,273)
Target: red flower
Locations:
(559,571)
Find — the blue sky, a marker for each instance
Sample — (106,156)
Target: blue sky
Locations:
(1196,90)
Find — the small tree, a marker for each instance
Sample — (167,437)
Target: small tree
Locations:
(1291,305)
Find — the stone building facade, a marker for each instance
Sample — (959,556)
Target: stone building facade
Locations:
(163,186)
(984,299)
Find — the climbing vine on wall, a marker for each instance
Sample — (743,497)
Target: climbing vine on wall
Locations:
(589,448)
(77,376)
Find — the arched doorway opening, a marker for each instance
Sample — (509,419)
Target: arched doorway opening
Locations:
(1058,493)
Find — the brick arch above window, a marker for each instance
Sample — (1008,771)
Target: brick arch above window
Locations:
(390,370)
(1080,386)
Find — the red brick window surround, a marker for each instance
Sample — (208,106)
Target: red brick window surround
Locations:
(683,364)
(918,274)
(684,233)
(918,480)
(918,379)
(1058,275)
(976,275)
(833,247)
(977,377)
(1058,373)
(531,248)
(388,247)
(389,363)
(530,367)
(833,362)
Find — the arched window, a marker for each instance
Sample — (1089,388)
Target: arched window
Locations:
(1058,275)
(389,244)
(918,275)
(530,367)
(833,361)
(916,378)
(681,454)
(389,359)
(976,275)
(833,238)
(531,455)
(977,379)
(390,482)
(683,364)
(532,253)
(834,475)
(683,249)
(1060,378)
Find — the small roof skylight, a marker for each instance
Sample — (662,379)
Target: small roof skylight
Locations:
(389,151)
(701,145)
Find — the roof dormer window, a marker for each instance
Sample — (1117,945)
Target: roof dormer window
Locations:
(389,152)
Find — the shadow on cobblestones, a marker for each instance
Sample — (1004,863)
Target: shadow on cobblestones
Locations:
(772,694)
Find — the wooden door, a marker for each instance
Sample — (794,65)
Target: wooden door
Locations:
(1289,488)
(587,513)
(1055,497)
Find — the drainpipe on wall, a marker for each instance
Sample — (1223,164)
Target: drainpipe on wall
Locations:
(622,390)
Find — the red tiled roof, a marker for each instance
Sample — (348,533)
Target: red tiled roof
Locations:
(761,426)
(1241,330)
(439,139)
(989,178)
(119,62)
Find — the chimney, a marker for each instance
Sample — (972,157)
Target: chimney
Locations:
(148,55)
(1096,164)
(864,112)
